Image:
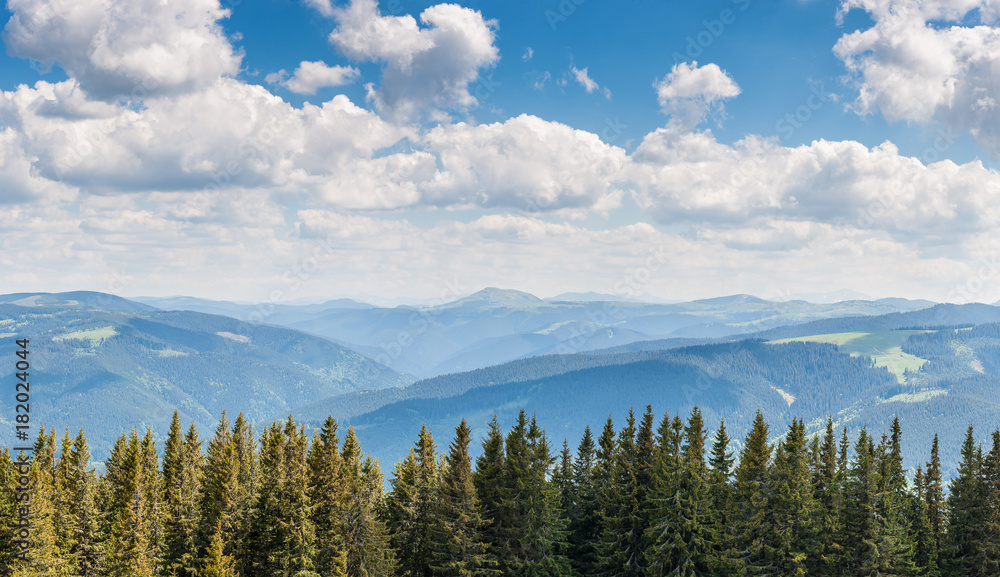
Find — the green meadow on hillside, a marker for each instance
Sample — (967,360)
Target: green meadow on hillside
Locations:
(885,347)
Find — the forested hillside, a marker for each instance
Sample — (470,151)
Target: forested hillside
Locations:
(808,380)
(641,497)
(108,364)
(493,326)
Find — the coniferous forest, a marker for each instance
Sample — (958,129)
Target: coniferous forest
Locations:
(645,498)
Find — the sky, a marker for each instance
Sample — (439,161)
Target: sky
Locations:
(274,150)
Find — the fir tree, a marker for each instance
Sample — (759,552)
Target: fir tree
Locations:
(217,563)
(622,537)
(828,492)
(793,531)
(412,507)
(720,475)
(218,489)
(752,501)
(298,547)
(896,543)
(989,547)
(488,482)
(366,537)
(683,531)
(79,484)
(861,494)
(182,464)
(9,515)
(936,505)
(127,544)
(327,493)
(583,518)
(924,551)
(965,512)
(264,543)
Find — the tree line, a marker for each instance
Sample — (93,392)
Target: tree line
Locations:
(645,499)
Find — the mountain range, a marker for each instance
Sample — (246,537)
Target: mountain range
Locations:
(109,364)
(494,326)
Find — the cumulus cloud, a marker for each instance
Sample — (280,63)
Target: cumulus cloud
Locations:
(583,79)
(690,92)
(322,6)
(923,62)
(231,134)
(125,49)
(524,163)
(427,70)
(311,76)
(692,177)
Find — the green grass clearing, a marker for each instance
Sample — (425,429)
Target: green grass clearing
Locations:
(95,336)
(883,346)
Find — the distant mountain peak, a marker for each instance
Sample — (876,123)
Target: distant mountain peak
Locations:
(732,299)
(497,297)
(75,299)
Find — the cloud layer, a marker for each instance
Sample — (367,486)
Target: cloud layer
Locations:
(155,148)
(920,62)
(427,70)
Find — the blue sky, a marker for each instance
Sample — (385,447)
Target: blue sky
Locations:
(281,149)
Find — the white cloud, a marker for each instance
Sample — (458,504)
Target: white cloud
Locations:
(584,79)
(528,54)
(690,92)
(920,62)
(125,49)
(427,70)
(524,163)
(311,76)
(691,177)
(322,6)
(231,134)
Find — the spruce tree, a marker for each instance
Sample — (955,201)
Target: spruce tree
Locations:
(245,494)
(720,477)
(366,536)
(989,547)
(218,489)
(217,562)
(545,544)
(9,515)
(327,493)
(965,511)
(45,556)
(488,482)
(683,530)
(861,523)
(794,533)
(622,536)
(297,531)
(459,550)
(896,542)
(584,527)
(924,551)
(937,514)
(127,543)
(751,490)
(79,485)
(828,491)
(264,541)
(412,507)
(182,474)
